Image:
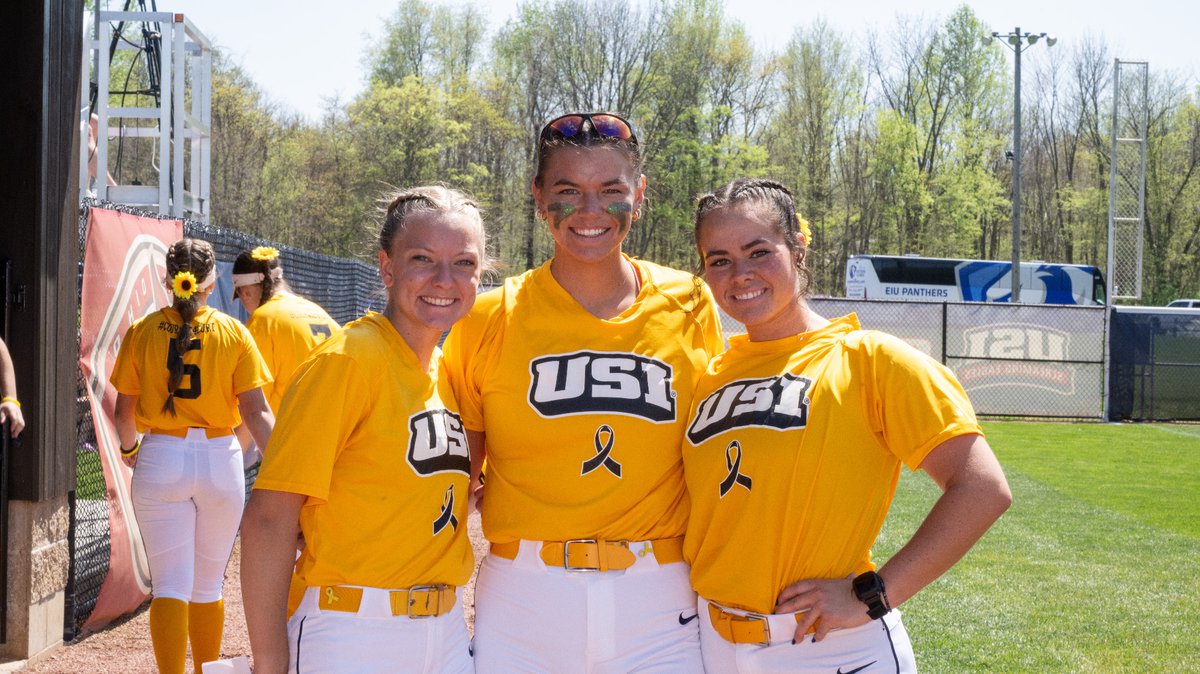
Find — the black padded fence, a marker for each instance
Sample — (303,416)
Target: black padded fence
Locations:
(345,288)
(1155,370)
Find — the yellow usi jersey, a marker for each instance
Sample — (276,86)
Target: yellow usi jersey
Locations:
(793,451)
(220,363)
(286,328)
(373,441)
(583,416)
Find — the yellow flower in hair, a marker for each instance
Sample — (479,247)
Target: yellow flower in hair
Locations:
(805,230)
(264,253)
(184,285)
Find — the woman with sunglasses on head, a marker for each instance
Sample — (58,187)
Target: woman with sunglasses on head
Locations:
(793,451)
(185,375)
(369,461)
(576,377)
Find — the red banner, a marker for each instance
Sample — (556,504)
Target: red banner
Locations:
(124,267)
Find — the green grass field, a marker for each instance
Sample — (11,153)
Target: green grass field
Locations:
(1095,568)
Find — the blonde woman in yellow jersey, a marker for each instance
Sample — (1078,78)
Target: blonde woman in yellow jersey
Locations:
(370,462)
(285,326)
(793,451)
(576,376)
(185,375)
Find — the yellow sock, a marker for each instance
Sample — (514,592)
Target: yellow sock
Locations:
(206,623)
(169,633)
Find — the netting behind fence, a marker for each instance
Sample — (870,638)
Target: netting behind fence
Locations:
(1155,364)
(345,288)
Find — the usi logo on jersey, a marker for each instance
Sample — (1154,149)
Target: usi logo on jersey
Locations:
(776,402)
(437,443)
(588,381)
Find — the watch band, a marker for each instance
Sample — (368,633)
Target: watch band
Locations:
(868,588)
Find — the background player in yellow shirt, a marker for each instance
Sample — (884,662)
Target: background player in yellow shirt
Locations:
(370,462)
(577,376)
(793,452)
(284,325)
(185,376)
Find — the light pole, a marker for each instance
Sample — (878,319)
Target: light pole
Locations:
(1018,42)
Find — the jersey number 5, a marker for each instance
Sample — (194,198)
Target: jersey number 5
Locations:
(191,371)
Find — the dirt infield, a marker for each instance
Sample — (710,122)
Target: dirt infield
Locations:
(124,647)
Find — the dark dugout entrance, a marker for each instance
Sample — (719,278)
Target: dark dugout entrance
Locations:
(39,253)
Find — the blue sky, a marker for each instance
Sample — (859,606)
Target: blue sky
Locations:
(303,52)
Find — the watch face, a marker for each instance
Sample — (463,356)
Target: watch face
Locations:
(867,585)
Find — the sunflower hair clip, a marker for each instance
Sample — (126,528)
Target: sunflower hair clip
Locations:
(184,285)
(805,230)
(264,253)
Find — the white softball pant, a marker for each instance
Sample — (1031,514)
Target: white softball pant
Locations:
(879,647)
(188,499)
(373,641)
(530,617)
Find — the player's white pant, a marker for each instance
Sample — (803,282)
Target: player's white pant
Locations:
(530,617)
(188,498)
(373,641)
(879,646)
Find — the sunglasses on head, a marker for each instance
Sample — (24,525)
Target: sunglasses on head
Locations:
(603,125)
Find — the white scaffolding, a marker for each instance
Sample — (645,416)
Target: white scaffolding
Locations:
(1127,179)
(183,115)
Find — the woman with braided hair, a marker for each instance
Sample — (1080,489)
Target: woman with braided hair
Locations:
(185,376)
(285,326)
(370,463)
(792,453)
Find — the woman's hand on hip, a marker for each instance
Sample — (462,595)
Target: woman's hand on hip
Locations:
(825,603)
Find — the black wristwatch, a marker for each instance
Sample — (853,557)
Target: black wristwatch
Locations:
(868,587)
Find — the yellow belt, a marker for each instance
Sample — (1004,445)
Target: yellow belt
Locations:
(743,629)
(422,601)
(182,432)
(592,554)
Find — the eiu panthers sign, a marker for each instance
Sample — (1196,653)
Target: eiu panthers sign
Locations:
(585,382)
(437,443)
(775,402)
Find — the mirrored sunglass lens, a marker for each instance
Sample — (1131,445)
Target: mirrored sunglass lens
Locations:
(612,127)
(567,126)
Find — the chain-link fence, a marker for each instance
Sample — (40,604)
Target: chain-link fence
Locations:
(1127,176)
(345,288)
(1014,360)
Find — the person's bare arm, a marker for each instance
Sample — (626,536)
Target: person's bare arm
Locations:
(974,495)
(10,407)
(477,441)
(270,528)
(127,434)
(256,415)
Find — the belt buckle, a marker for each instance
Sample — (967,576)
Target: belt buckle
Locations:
(436,590)
(567,555)
(766,628)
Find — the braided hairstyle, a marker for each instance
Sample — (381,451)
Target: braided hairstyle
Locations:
(773,199)
(400,205)
(246,263)
(197,257)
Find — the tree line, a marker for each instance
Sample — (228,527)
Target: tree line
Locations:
(894,146)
